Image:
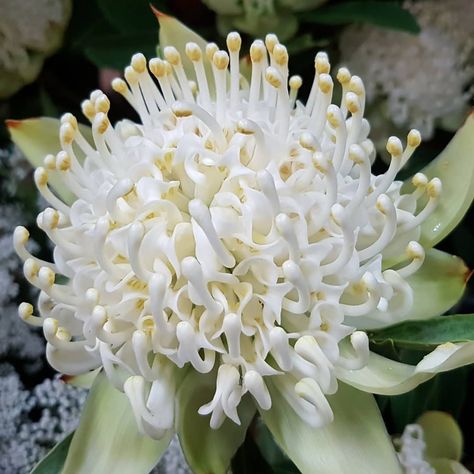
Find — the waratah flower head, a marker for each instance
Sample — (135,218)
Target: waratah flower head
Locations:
(235,230)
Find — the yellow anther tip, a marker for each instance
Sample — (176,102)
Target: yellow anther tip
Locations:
(211,49)
(49,162)
(102,104)
(434,188)
(63,161)
(131,75)
(352,102)
(88,109)
(220,60)
(41,176)
(273,77)
(30,268)
(356,85)
(382,203)
(66,133)
(234,41)
(414,138)
(47,276)
(181,110)
(419,180)
(172,55)
(415,250)
(25,310)
(193,52)
(394,147)
(119,85)
(50,218)
(157,67)
(280,54)
(321,63)
(21,234)
(101,123)
(295,82)
(343,75)
(325,83)
(271,40)
(69,118)
(356,154)
(138,63)
(257,51)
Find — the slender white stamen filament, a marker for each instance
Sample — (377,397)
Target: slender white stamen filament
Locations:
(394,147)
(194,53)
(433,190)
(386,207)
(257,55)
(159,69)
(295,83)
(174,58)
(41,181)
(233,45)
(415,252)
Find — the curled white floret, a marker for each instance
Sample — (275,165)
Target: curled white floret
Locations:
(236,232)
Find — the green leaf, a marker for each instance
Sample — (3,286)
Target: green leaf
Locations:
(442,435)
(385,14)
(455,167)
(129,15)
(107,439)
(355,442)
(53,462)
(388,377)
(429,333)
(108,48)
(207,450)
(37,137)
(438,285)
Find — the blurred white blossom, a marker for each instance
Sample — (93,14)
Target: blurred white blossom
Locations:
(412,449)
(416,80)
(30,30)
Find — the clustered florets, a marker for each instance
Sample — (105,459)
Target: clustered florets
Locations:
(234,230)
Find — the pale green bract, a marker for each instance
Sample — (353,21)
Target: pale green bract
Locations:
(226,254)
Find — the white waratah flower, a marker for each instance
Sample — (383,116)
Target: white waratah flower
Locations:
(30,30)
(234,232)
(416,80)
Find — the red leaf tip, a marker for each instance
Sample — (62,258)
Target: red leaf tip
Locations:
(158,13)
(10,123)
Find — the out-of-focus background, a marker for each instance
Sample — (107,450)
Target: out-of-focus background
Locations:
(417,62)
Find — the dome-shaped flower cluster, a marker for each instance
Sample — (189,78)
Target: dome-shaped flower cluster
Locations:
(233,230)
